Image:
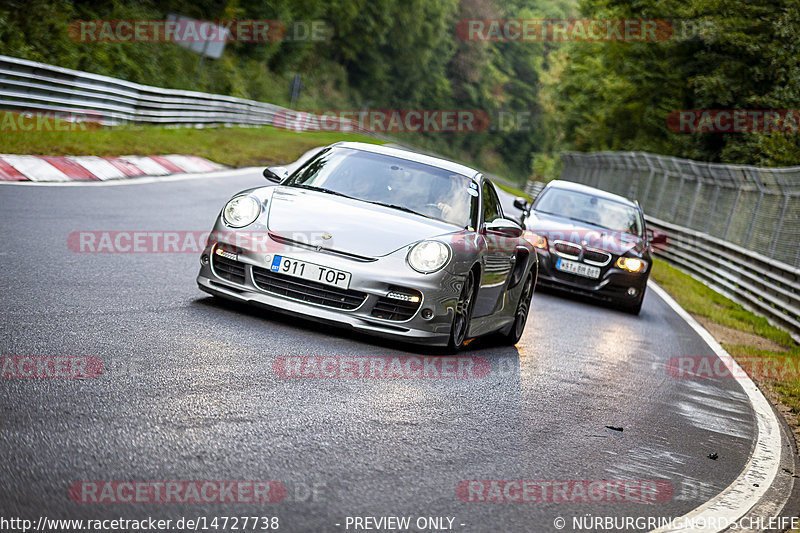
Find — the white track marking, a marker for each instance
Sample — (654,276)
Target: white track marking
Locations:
(740,496)
(142,180)
(35,168)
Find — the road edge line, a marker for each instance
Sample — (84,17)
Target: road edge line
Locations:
(747,490)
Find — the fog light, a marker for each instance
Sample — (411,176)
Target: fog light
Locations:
(632,292)
(204,259)
(427,314)
(405,297)
(226,254)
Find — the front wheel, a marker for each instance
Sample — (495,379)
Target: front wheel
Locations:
(633,308)
(521,316)
(463,314)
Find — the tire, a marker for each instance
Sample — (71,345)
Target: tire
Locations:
(521,314)
(463,314)
(633,308)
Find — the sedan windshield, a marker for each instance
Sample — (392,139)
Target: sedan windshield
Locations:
(394,182)
(594,210)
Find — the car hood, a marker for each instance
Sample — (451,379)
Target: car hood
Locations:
(560,228)
(346,225)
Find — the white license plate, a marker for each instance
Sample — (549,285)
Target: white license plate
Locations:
(573,267)
(310,271)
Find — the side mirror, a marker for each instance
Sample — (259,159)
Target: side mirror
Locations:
(504,226)
(658,239)
(276,174)
(521,203)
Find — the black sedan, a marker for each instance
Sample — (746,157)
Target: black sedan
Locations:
(591,242)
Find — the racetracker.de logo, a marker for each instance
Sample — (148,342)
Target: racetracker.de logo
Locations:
(734,121)
(562,30)
(177,492)
(564,491)
(395,367)
(385,120)
(181,242)
(44,367)
(63,120)
(197,31)
(713,367)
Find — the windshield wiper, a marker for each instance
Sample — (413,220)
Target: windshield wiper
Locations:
(320,189)
(400,208)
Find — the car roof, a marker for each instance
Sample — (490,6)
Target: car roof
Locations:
(411,156)
(578,187)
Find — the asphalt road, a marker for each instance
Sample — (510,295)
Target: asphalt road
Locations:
(189,391)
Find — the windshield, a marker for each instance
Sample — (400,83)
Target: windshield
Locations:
(392,181)
(591,209)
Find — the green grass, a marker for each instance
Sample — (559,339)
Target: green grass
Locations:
(697,298)
(237,147)
(700,300)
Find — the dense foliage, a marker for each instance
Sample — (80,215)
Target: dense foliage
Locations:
(724,54)
(405,54)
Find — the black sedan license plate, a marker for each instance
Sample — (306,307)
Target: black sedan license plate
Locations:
(310,271)
(573,267)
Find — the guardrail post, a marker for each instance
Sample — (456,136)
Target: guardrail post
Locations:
(776,233)
(712,207)
(694,202)
(757,181)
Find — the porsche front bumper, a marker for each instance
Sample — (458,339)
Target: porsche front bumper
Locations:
(244,275)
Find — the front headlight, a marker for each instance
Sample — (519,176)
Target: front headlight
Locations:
(428,256)
(536,240)
(631,264)
(241,211)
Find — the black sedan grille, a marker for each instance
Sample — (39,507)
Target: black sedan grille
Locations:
(572,251)
(229,269)
(398,308)
(596,257)
(307,291)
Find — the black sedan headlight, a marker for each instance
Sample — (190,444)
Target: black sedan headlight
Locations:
(631,264)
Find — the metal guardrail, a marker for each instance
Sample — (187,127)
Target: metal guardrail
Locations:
(39,87)
(734,227)
(758,283)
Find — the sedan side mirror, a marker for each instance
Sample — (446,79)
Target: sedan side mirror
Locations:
(276,174)
(509,228)
(521,203)
(658,239)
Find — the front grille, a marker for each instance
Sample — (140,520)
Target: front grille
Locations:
(397,309)
(567,249)
(596,257)
(307,291)
(229,269)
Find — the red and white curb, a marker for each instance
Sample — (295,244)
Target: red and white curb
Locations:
(93,168)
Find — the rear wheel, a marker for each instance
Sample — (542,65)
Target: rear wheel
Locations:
(521,315)
(463,314)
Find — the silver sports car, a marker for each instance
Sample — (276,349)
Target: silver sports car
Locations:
(383,240)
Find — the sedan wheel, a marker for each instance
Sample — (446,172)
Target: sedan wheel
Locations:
(463,313)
